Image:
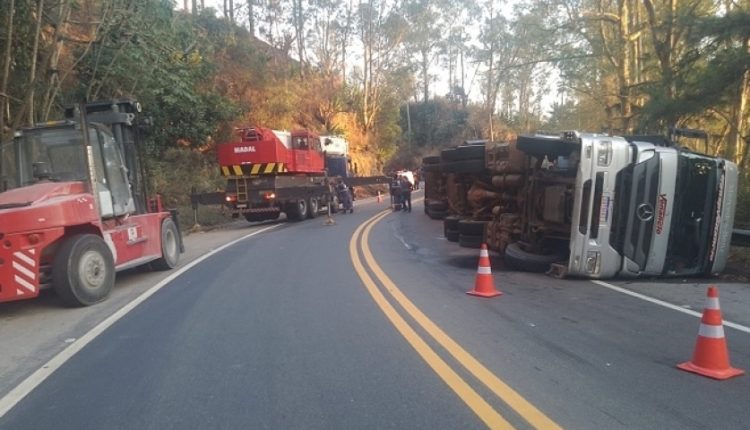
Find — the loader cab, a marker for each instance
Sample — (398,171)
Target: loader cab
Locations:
(105,157)
(57,152)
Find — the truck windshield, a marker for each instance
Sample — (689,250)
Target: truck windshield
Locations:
(694,211)
(59,150)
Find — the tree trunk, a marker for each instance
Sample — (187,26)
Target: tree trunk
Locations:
(4,102)
(54,57)
(740,119)
(250,17)
(29,105)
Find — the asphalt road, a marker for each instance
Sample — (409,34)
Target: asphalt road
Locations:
(367,326)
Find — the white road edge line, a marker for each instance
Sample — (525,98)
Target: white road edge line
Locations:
(667,304)
(28,385)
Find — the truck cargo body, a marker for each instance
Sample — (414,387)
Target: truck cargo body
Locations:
(266,196)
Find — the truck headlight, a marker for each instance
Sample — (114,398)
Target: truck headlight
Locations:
(593,263)
(604,153)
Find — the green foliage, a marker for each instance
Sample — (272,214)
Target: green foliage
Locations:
(435,123)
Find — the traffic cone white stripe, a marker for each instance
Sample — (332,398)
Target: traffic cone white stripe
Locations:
(484,253)
(712,331)
(712,303)
(484,270)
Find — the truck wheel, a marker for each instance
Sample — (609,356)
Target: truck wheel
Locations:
(313,207)
(471,227)
(470,241)
(170,246)
(450,227)
(83,271)
(298,210)
(519,259)
(469,152)
(464,166)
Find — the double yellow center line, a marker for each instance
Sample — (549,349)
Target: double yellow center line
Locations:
(485,411)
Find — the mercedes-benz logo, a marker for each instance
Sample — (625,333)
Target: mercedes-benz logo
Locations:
(645,212)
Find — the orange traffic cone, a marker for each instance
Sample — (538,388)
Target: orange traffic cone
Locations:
(484,284)
(380,198)
(711,357)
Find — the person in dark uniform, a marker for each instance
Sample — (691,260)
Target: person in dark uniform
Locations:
(395,191)
(345,196)
(406,188)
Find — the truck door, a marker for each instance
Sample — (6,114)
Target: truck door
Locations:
(301,154)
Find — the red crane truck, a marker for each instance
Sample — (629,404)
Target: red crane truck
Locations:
(74,207)
(270,171)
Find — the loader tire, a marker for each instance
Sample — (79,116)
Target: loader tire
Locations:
(170,246)
(517,258)
(83,271)
(431,160)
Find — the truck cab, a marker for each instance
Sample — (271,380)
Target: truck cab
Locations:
(644,207)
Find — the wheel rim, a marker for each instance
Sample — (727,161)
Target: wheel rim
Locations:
(92,270)
(314,206)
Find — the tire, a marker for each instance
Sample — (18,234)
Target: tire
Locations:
(451,223)
(83,271)
(170,246)
(519,259)
(540,146)
(436,214)
(313,207)
(437,206)
(471,228)
(461,153)
(451,235)
(470,241)
(463,166)
(297,211)
(431,168)
(430,159)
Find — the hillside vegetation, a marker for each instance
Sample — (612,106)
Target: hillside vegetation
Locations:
(398,79)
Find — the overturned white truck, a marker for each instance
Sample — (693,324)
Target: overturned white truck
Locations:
(591,205)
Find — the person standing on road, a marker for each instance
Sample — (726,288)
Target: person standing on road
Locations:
(406,188)
(395,191)
(345,196)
